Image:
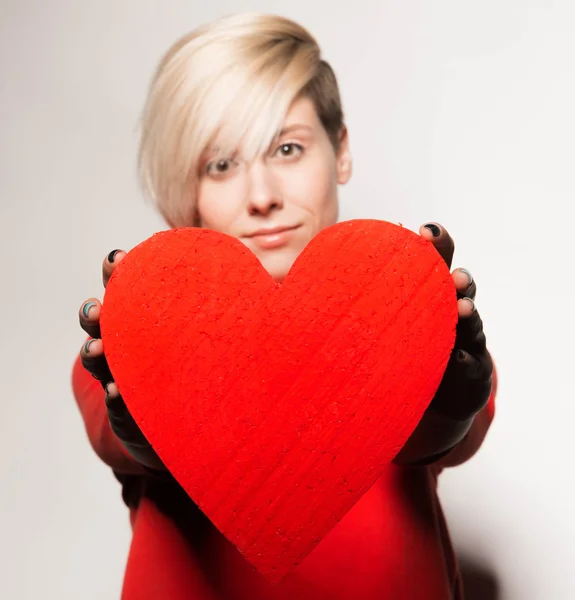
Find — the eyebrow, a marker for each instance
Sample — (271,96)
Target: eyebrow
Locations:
(293,127)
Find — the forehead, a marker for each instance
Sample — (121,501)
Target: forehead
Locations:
(301,112)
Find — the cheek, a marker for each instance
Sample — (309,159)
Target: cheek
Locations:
(317,191)
(218,206)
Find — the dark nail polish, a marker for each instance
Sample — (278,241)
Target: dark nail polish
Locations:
(469,276)
(112,255)
(461,354)
(434,229)
(87,346)
(112,399)
(87,308)
(473,307)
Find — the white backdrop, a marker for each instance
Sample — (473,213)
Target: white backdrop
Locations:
(459,112)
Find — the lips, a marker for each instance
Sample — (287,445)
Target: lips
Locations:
(271,230)
(270,238)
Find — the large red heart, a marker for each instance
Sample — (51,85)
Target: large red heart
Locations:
(276,407)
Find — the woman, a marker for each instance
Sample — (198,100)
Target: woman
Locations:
(243,133)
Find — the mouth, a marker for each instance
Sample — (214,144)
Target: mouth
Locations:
(271,230)
(268,238)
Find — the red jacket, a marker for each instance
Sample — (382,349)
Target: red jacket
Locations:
(393,544)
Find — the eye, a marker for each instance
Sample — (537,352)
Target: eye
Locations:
(220,167)
(289,150)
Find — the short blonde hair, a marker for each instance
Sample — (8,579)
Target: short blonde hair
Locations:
(228,83)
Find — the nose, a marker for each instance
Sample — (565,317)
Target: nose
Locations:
(263,190)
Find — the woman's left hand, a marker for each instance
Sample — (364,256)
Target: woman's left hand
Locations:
(466,384)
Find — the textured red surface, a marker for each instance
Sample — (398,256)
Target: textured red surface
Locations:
(277,407)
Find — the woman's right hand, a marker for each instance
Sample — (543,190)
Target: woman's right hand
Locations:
(94,361)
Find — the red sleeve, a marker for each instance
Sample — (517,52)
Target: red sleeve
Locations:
(471,443)
(90,399)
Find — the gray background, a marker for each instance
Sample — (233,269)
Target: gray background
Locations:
(459,112)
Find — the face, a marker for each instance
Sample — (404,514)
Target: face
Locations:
(277,203)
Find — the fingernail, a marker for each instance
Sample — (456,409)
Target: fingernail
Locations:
(109,399)
(112,255)
(473,307)
(87,308)
(461,354)
(469,276)
(434,229)
(111,395)
(87,346)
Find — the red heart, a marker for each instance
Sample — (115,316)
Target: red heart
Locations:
(276,407)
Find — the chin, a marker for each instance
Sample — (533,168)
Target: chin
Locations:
(279,263)
(278,274)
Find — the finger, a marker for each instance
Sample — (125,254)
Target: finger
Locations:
(121,420)
(442,241)
(126,429)
(89,316)
(466,385)
(469,331)
(110,263)
(464,284)
(476,367)
(94,361)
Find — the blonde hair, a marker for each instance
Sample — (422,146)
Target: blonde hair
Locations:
(228,83)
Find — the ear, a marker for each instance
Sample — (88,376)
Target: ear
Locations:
(344,161)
